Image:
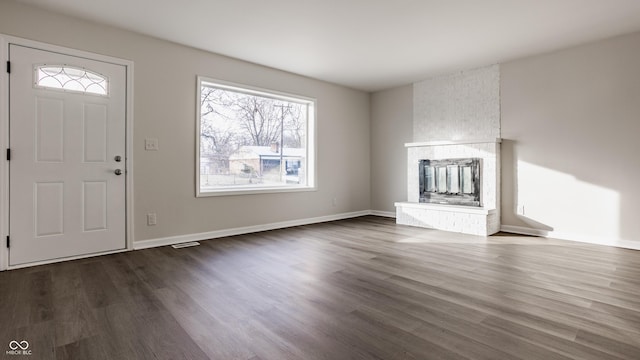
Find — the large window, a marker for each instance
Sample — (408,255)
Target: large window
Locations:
(252,140)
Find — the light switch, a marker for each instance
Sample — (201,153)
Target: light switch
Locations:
(151,144)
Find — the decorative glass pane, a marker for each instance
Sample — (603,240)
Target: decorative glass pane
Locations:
(71,79)
(430,176)
(453,186)
(442,179)
(467,180)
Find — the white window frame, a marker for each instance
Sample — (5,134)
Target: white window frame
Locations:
(252,90)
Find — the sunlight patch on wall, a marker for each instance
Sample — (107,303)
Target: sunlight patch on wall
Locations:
(546,198)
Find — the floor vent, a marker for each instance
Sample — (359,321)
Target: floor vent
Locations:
(186,244)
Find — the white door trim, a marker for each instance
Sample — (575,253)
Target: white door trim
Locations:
(5,41)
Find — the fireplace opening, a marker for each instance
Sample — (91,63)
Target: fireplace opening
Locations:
(450,181)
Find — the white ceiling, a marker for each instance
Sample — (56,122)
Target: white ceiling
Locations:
(366,44)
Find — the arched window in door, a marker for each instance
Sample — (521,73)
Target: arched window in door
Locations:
(69,78)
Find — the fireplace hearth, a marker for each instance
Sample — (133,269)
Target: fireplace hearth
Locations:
(450,181)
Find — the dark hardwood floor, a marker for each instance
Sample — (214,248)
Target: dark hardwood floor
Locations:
(363,288)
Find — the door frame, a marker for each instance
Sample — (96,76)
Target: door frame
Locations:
(5,41)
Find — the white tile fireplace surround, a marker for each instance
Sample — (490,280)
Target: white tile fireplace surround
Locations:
(483,220)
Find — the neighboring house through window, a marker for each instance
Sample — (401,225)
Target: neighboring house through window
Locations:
(253,140)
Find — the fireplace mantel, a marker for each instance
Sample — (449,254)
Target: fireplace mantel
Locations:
(453,142)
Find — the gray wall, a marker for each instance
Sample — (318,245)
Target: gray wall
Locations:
(391,128)
(571,155)
(165,98)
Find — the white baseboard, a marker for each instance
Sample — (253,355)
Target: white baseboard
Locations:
(389,214)
(524,230)
(145,244)
(571,237)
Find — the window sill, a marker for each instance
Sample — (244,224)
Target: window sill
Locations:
(254,190)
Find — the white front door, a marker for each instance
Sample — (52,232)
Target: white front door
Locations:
(67,120)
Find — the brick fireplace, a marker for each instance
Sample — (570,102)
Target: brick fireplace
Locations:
(456,122)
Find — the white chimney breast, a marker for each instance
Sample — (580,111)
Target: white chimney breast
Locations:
(460,106)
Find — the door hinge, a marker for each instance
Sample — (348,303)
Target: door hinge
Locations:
(8,154)
(8,241)
(9,67)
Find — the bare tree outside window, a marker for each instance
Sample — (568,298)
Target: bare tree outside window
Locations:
(252,139)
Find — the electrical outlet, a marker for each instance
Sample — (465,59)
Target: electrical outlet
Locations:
(520,209)
(151,219)
(335,201)
(151,144)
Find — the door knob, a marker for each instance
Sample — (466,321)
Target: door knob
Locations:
(118,158)
(118,172)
